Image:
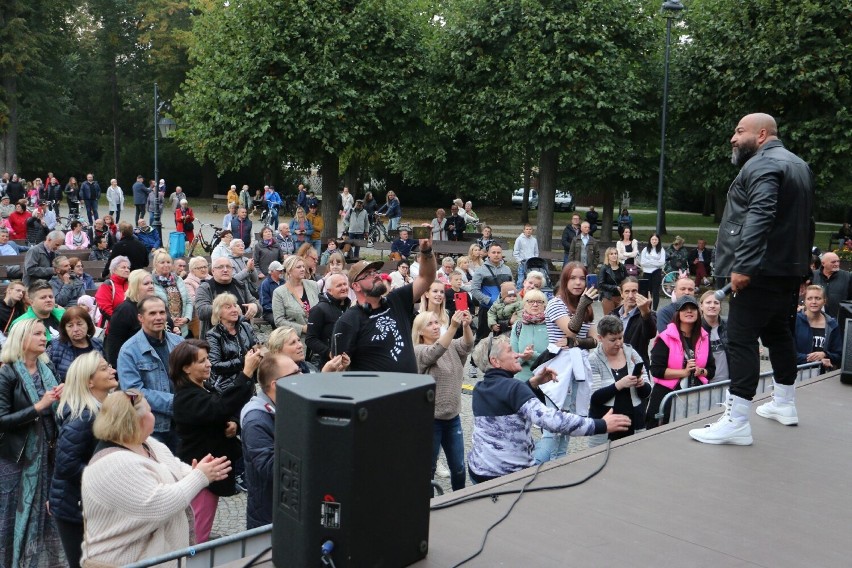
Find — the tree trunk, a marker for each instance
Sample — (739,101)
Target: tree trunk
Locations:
(525,202)
(707,208)
(351,176)
(330,171)
(719,197)
(209,180)
(548,166)
(116,110)
(9,143)
(606,213)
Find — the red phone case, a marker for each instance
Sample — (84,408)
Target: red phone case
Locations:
(461,301)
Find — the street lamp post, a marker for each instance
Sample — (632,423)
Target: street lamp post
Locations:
(671,10)
(162,127)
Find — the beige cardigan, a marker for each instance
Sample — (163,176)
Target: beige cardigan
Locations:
(136,508)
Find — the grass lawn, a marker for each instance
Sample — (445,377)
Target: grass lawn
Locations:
(690,226)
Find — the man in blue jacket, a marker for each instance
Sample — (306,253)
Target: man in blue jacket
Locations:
(140,197)
(143,364)
(90,192)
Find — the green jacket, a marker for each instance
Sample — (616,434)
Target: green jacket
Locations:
(57,312)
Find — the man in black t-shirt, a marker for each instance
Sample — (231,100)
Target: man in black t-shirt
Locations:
(376,333)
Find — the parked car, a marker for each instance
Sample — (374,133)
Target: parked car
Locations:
(564,201)
(518,198)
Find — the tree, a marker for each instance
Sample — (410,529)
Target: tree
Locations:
(563,78)
(788,59)
(300,81)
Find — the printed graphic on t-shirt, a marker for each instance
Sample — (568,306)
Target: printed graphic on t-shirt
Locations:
(386,326)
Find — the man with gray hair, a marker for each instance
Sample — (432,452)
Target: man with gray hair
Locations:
(38,264)
(321,319)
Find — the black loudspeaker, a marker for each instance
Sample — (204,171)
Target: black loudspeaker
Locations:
(844,313)
(846,361)
(353,456)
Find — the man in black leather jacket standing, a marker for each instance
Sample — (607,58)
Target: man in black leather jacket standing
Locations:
(764,245)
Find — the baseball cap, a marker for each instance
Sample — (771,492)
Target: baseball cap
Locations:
(685,301)
(275,265)
(363,266)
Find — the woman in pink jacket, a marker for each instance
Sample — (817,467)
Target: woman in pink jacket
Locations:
(680,358)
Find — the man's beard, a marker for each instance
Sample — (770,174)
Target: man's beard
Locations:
(377,291)
(743,153)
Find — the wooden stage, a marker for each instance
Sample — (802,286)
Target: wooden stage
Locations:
(666,500)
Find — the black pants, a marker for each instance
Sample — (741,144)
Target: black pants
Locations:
(655,281)
(658,393)
(140,213)
(71,536)
(766,309)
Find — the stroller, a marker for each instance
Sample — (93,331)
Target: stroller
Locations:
(542,265)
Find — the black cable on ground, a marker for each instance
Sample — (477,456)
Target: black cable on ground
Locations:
(479,496)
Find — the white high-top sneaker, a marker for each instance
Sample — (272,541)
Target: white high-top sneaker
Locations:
(782,407)
(731,428)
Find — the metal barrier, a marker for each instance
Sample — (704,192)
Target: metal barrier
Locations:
(216,552)
(695,400)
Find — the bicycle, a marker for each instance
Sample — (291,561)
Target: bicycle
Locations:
(669,280)
(377,232)
(206,246)
(64,223)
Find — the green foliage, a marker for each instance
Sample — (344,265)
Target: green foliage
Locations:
(789,59)
(294,80)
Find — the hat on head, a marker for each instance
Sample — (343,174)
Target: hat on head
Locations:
(312,204)
(363,266)
(275,265)
(4,197)
(685,301)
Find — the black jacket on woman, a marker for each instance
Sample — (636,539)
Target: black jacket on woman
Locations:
(18,416)
(201,416)
(227,352)
(609,279)
(74,449)
(321,320)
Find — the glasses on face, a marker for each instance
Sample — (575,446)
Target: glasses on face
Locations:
(201,267)
(107,367)
(223,267)
(294,373)
(536,302)
(365,275)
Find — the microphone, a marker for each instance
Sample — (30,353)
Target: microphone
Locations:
(720,294)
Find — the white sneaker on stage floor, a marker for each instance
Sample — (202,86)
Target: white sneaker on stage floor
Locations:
(782,407)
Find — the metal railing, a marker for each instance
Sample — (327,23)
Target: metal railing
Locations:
(695,400)
(216,552)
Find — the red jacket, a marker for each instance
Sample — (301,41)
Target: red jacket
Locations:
(18,222)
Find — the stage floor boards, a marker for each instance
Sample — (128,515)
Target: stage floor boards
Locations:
(665,500)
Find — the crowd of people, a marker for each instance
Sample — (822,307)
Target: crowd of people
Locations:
(131,408)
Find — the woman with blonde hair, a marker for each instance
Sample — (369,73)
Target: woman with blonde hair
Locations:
(292,301)
(88,382)
(300,227)
(475,255)
(29,390)
(199,271)
(285,340)
(443,357)
(136,494)
(171,289)
(435,301)
(611,274)
(229,340)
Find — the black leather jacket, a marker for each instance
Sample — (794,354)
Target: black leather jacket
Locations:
(18,416)
(767,228)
